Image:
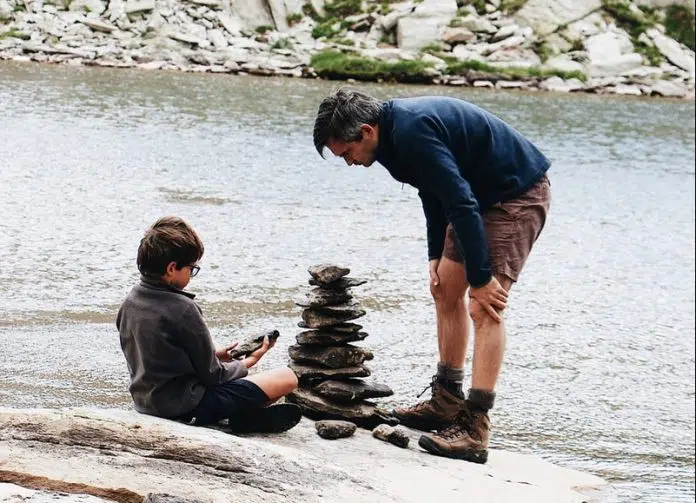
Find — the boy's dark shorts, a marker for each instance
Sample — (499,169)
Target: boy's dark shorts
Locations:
(225,401)
(511,227)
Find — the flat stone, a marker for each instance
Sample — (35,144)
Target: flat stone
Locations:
(394,436)
(351,390)
(327,273)
(341,327)
(340,284)
(668,89)
(326,317)
(333,429)
(319,297)
(304,372)
(320,338)
(213,4)
(334,357)
(363,414)
(253,343)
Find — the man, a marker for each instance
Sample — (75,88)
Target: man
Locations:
(485,196)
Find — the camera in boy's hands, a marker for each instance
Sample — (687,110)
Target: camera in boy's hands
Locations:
(253,344)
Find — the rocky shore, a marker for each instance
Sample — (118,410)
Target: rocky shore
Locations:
(597,46)
(97,456)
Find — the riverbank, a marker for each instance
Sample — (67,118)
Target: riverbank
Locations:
(123,456)
(592,46)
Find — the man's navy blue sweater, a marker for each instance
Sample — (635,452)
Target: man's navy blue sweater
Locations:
(462,160)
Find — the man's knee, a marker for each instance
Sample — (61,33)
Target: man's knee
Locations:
(447,295)
(479,316)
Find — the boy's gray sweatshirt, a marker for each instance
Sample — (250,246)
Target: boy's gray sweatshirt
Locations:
(169,351)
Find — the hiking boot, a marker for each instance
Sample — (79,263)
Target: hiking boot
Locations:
(466,439)
(434,414)
(273,419)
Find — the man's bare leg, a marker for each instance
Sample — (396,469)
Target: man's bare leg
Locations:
(489,344)
(452,313)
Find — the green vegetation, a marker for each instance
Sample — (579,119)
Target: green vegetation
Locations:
(543,50)
(432,48)
(464,67)
(344,41)
(456,22)
(14,33)
(634,21)
(308,10)
(650,52)
(282,43)
(577,45)
(342,8)
(20,7)
(325,29)
(337,65)
(511,6)
(294,18)
(679,23)
(263,29)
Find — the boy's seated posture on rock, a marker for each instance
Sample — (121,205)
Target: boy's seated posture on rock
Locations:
(175,370)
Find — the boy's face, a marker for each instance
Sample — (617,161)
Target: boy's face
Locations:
(179,278)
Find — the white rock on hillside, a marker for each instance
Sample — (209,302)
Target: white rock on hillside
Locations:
(143,454)
(425,24)
(611,53)
(547,15)
(671,50)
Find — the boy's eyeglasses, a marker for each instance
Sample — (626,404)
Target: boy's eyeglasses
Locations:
(194,270)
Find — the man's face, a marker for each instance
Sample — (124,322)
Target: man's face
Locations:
(360,152)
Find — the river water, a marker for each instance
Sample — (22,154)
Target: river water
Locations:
(599,371)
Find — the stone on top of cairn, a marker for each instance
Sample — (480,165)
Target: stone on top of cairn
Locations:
(324,361)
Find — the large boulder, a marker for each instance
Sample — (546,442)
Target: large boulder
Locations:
(611,53)
(545,16)
(426,24)
(670,49)
(111,450)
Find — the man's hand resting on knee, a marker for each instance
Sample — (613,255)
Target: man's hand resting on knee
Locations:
(492,297)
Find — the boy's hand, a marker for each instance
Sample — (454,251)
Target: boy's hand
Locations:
(254,357)
(223,354)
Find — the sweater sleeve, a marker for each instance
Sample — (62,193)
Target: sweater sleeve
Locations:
(435,222)
(440,173)
(198,344)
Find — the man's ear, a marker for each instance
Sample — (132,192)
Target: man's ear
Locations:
(171,268)
(368,132)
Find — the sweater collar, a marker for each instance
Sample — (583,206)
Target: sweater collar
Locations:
(155,283)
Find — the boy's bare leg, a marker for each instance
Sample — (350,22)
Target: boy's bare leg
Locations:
(452,313)
(489,344)
(275,383)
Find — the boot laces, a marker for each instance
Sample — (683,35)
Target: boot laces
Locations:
(459,427)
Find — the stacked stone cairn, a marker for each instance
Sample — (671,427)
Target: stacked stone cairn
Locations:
(328,366)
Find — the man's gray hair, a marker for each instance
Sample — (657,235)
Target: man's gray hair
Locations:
(340,116)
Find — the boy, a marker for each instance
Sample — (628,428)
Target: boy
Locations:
(175,370)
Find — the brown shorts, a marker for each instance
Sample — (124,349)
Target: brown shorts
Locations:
(511,227)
